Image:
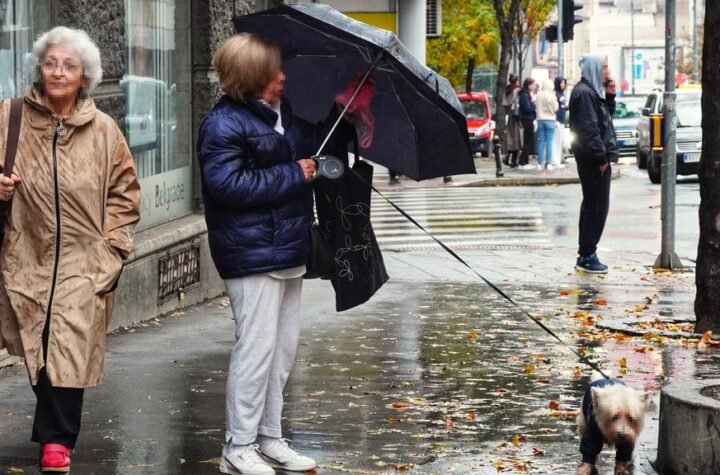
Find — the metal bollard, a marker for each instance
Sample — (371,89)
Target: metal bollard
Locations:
(497,152)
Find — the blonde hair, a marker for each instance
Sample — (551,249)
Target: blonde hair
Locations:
(246,64)
(77,40)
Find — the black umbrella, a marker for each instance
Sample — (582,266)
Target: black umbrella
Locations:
(417,124)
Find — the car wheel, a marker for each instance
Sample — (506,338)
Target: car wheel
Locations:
(653,168)
(641,159)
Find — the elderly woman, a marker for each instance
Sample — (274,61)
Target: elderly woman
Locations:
(74,198)
(258,220)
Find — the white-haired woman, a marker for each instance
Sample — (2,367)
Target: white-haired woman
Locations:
(74,204)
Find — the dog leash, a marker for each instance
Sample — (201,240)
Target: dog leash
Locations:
(581,358)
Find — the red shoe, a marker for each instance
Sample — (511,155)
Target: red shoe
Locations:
(55,458)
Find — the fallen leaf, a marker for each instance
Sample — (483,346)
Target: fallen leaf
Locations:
(564,292)
(600,302)
(623,363)
(516,440)
(399,405)
(554,405)
(473,335)
(538,452)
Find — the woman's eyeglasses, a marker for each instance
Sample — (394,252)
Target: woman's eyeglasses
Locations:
(51,65)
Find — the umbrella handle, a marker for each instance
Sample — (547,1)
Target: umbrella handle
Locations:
(347,106)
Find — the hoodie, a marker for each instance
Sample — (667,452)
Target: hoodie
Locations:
(546,102)
(591,67)
(591,116)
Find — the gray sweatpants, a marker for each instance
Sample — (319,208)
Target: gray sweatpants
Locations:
(267,327)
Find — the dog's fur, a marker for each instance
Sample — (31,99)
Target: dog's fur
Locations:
(619,411)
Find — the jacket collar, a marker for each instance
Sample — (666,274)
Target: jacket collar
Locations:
(262,111)
(83,112)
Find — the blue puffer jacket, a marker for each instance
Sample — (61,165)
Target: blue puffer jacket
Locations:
(255,204)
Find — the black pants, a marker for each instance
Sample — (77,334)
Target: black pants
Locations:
(58,410)
(595,204)
(528,141)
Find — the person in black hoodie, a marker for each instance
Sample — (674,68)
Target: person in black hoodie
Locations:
(527,119)
(595,147)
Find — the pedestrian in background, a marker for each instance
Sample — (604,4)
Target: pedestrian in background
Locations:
(75,201)
(561,95)
(513,130)
(258,215)
(547,107)
(595,147)
(527,117)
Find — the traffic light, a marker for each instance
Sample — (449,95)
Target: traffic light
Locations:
(551,33)
(570,19)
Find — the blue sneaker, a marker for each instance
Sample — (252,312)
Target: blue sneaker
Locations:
(591,264)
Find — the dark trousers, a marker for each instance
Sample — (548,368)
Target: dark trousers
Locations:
(595,204)
(528,141)
(58,410)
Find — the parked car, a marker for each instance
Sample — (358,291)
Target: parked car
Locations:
(628,111)
(481,127)
(688,133)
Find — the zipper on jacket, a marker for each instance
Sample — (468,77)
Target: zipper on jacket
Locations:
(60,130)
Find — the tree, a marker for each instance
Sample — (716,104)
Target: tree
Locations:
(505,13)
(528,23)
(707,273)
(468,32)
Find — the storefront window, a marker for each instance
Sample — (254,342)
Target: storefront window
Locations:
(21,21)
(157,90)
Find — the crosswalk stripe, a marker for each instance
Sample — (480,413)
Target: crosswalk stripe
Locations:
(462,218)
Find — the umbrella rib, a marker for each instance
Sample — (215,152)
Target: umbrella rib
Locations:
(409,118)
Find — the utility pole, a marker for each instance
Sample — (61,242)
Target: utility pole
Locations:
(561,39)
(667,258)
(696,59)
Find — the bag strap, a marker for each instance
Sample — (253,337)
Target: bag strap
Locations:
(13,137)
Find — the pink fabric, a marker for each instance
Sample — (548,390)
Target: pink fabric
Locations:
(359,111)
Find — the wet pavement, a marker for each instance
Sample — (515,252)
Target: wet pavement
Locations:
(436,374)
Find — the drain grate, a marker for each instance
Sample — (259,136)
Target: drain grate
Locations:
(179,271)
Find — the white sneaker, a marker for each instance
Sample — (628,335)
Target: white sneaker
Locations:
(550,166)
(277,454)
(539,167)
(244,460)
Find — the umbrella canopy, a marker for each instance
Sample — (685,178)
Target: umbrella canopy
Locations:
(417,124)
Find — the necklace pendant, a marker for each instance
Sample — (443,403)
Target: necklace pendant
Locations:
(61,130)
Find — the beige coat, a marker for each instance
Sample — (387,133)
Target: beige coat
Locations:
(546,104)
(72,219)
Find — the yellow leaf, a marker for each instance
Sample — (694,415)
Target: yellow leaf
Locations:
(623,363)
(473,335)
(516,440)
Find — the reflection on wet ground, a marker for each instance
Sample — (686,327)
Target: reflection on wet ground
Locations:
(429,377)
(451,379)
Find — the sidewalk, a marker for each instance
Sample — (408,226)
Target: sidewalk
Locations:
(565,174)
(436,374)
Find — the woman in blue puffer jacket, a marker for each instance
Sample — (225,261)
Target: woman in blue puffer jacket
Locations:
(256,208)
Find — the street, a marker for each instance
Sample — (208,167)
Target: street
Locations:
(437,373)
